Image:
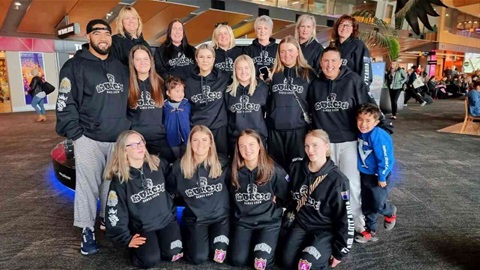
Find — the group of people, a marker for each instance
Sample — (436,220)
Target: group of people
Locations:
(249,133)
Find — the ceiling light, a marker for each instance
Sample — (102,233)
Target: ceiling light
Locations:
(17,5)
(446,14)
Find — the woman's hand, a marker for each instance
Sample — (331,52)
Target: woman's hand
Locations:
(137,241)
(333,262)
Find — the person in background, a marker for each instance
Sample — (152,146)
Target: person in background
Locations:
(246,99)
(141,214)
(200,178)
(375,162)
(92,111)
(258,190)
(176,116)
(474,99)
(411,91)
(146,102)
(205,90)
(396,78)
(38,96)
(355,55)
(175,57)
(129,33)
(322,230)
(263,49)
(306,34)
(223,41)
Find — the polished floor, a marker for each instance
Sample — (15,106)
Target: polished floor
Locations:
(437,192)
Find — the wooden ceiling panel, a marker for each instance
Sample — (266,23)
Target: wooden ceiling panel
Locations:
(159,22)
(43,16)
(198,28)
(4,8)
(86,10)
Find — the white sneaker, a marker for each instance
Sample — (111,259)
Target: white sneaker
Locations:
(423,104)
(405,105)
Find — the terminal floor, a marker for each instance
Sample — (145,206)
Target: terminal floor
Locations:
(437,192)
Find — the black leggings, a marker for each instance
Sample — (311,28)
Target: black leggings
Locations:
(411,92)
(394,94)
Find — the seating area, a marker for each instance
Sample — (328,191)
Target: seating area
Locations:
(469,119)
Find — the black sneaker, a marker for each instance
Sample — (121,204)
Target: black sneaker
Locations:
(88,245)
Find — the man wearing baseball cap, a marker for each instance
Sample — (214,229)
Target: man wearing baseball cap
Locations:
(91,111)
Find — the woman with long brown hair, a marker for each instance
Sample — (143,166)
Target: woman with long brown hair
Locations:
(146,101)
(259,189)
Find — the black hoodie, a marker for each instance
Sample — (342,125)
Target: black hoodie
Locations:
(142,204)
(328,207)
(224,59)
(121,46)
(245,111)
(284,112)
(312,51)
(334,104)
(92,98)
(356,56)
(147,118)
(262,56)
(206,95)
(206,199)
(253,204)
(177,65)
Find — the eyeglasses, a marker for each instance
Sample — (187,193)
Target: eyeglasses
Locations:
(221,23)
(345,25)
(136,145)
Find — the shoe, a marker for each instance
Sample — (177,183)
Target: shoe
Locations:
(423,104)
(88,245)
(103,227)
(39,118)
(365,237)
(389,222)
(405,105)
(44,118)
(393,117)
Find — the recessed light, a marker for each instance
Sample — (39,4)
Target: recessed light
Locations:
(17,5)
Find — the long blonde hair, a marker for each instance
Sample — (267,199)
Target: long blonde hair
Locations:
(119,166)
(301,63)
(214,43)
(232,88)
(302,19)
(188,164)
(121,16)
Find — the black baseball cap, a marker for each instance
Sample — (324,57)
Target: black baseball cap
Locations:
(92,23)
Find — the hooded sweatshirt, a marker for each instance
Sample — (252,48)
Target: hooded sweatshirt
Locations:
(92,98)
(262,56)
(206,199)
(333,104)
(177,122)
(284,112)
(147,117)
(206,95)
(121,46)
(328,207)
(178,64)
(253,204)
(247,112)
(356,56)
(375,153)
(141,204)
(224,59)
(312,51)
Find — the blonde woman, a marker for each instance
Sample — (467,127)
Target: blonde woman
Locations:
(140,212)
(129,34)
(306,34)
(246,99)
(37,94)
(223,41)
(200,179)
(287,116)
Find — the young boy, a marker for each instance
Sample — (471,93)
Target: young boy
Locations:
(176,116)
(375,161)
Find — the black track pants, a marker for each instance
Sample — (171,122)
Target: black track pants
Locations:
(286,145)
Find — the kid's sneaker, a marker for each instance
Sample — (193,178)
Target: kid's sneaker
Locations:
(389,222)
(88,245)
(103,227)
(365,237)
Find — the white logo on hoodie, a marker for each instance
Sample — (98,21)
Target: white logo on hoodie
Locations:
(244,106)
(252,196)
(206,95)
(180,61)
(331,105)
(263,59)
(110,87)
(203,189)
(145,101)
(287,87)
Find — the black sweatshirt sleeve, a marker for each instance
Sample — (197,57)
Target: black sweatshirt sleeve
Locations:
(280,186)
(171,178)
(363,61)
(343,220)
(160,63)
(69,98)
(116,212)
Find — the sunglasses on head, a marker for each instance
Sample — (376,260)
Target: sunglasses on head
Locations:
(221,23)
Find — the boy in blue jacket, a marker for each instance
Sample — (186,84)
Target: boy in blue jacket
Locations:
(176,116)
(375,162)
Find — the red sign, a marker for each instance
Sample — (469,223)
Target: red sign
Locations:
(26,44)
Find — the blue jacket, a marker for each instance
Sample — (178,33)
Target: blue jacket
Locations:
(375,153)
(474,102)
(177,122)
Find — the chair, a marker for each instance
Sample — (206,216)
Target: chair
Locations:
(468,117)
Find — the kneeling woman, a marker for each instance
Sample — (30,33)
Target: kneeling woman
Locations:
(199,178)
(322,232)
(140,213)
(258,189)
